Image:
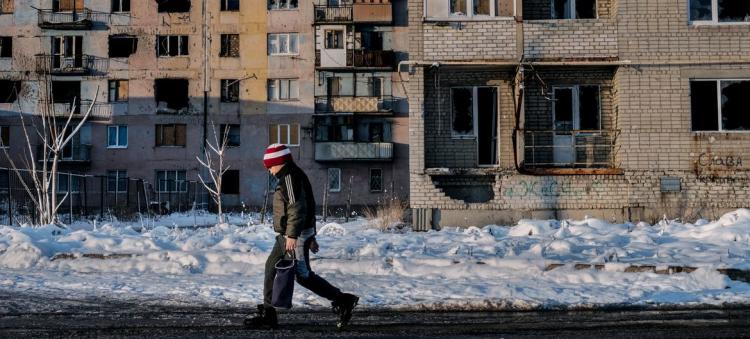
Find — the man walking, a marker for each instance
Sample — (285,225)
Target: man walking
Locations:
(294,221)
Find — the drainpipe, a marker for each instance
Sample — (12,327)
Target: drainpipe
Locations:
(206,83)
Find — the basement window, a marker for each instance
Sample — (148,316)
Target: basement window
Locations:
(173,6)
(122,46)
(171,95)
(230,46)
(230,90)
(719,105)
(9,90)
(573,9)
(170,135)
(230,5)
(6,47)
(172,45)
(230,182)
(719,11)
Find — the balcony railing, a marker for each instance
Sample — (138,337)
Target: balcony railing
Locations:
(364,58)
(99,110)
(570,149)
(333,14)
(81,64)
(364,151)
(75,153)
(354,104)
(79,19)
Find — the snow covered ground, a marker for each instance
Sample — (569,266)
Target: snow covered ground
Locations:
(167,261)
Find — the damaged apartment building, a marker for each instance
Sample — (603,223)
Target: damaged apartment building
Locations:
(163,75)
(617,109)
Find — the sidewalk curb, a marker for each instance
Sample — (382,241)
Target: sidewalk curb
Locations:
(733,273)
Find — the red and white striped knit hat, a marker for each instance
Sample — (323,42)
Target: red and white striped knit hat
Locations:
(276,154)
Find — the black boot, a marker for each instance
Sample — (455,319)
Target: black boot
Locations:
(266,318)
(343,306)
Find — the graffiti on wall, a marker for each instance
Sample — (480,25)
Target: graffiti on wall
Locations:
(712,160)
(551,188)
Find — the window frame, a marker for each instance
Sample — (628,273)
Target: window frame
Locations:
(475,116)
(719,108)
(232,128)
(573,10)
(278,45)
(382,182)
(118,129)
(277,139)
(336,33)
(118,96)
(181,188)
(714,17)
(276,95)
(224,6)
(225,85)
(119,6)
(288,8)
(328,179)
(119,175)
(174,125)
(75,183)
(183,43)
(225,48)
(576,109)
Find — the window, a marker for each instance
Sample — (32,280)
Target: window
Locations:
(233,135)
(573,9)
(9,90)
(576,108)
(334,128)
(334,180)
(463,111)
(720,11)
(230,182)
(6,6)
(230,90)
(6,47)
(5,136)
(120,6)
(230,46)
(172,45)
(118,90)
(122,45)
(170,135)
(335,39)
(282,44)
(171,181)
(67,5)
(287,134)
(230,5)
(66,91)
(117,136)
(376,180)
(719,105)
(283,89)
(68,182)
(117,181)
(173,6)
(282,4)
(473,7)
(171,95)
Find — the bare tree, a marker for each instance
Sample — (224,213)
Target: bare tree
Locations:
(213,162)
(54,132)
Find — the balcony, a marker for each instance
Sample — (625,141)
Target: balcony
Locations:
(67,20)
(73,154)
(571,150)
(348,151)
(325,14)
(63,109)
(82,64)
(378,11)
(373,59)
(354,104)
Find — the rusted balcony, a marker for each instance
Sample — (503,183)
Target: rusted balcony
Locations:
(349,151)
(81,19)
(78,108)
(325,14)
(374,59)
(354,104)
(81,64)
(572,149)
(373,11)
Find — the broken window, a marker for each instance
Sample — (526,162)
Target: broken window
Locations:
(283,44)
(171,181)
(120,6)
(283,89)
(67,52)
(282,4)
(232,131)
(9,90)
(287,134)
(335,39)
(230,182)
(376,180)
(230,46)
(576,108)
(171,95)
(334,180)
(66,91)
(117,181)
(720,105)
(170,135)
(573,9)
(230,5)
(230,90)
(6,6)
(718,11)
(173,6)
(172,45)
(122,46)
(6,47)
(462,103)
(118,90)
(334,128)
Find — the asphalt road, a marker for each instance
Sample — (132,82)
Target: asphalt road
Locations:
(30,316)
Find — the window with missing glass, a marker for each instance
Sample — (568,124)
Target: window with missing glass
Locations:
(720,105)
(719,11)
(230,46)
(230,90)
(172,45)
(574,9)
(119,6)
(282,4)
(230,5)
(118,90)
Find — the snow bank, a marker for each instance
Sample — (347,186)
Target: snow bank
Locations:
(169,261)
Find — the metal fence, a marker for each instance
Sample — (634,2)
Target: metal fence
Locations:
(89,196)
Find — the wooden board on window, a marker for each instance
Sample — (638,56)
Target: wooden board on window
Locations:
(122,90)
(294,134)
(180,135)
(505,7)
(273,136)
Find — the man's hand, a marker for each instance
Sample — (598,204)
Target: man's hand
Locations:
(291,244)
(314,245)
